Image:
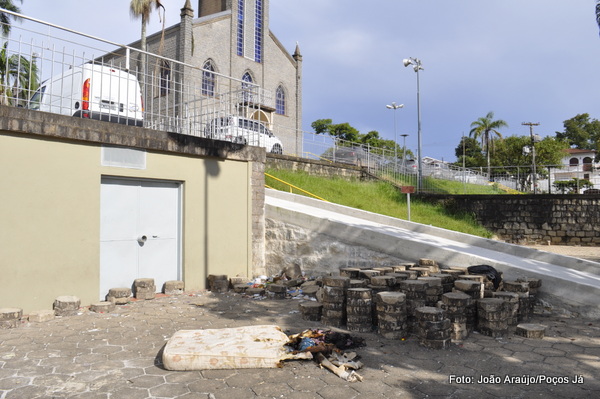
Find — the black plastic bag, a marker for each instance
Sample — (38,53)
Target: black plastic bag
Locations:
(488,271)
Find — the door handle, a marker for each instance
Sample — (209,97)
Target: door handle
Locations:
(142,239)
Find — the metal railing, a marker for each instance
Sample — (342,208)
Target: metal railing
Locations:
(42,66)
(45,67)
(292,187)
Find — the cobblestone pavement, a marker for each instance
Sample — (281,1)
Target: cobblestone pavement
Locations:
(117,356)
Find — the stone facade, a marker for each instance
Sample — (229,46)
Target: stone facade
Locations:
(317,254)
(530,219)
(315,168)
(212,38)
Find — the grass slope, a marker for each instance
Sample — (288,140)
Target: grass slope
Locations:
(378,197)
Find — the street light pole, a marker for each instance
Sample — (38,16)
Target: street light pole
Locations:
(534,139)
(394,107)
(416,63)
(404,151)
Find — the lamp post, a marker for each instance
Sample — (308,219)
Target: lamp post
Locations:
(416,63)
(534,139)
(404,150)
(394,107)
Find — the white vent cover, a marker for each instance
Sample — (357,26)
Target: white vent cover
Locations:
(123,157)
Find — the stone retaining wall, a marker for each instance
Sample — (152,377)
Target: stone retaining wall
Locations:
(317,254)
(533,219)
(314,168)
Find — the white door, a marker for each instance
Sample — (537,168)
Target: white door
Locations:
(139,232)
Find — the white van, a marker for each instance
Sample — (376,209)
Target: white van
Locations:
(92,91)
(243,131)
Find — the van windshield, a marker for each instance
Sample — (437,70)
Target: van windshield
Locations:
(34,102)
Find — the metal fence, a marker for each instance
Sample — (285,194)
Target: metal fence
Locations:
(51,68)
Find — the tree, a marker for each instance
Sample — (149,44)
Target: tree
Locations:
(509,152)
(572,186)
(598,12)
(484,127)
(581,132)
(382,146)
(5,18)
(142,9)
(342,131)
(469,150)
(18,77)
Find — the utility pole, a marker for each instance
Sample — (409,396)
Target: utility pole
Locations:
(534,138)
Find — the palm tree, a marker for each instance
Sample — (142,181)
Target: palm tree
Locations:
(4,17)
(19,78)
(484,127)
(598,12)
(142,9)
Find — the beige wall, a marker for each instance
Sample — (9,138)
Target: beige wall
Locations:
(50,217)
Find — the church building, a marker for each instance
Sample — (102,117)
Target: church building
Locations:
(228,43)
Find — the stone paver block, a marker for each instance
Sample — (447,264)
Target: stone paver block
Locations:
(119,296)
(10,317)
(102,307)
(174,287)
(530,330)
(66,305)
(143,283)
(336,281)
(40,316)
(467,285)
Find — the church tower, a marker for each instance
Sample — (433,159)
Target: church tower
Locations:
(208,7)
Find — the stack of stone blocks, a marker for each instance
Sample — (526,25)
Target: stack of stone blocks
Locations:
(334,300)
(438,305)
(433,327)
(359,309)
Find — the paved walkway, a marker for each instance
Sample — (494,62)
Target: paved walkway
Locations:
(117,356)
(567,281)
(587,253)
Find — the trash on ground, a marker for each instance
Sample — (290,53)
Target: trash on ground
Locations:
(261,347)
(327,347)
(228,348)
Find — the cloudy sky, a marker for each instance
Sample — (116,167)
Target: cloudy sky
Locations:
(525,60)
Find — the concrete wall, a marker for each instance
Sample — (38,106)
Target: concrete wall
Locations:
(50,174)
(317,254)
(567,282)
(523,219)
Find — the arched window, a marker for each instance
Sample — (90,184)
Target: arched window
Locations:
(247,87)
(250,29)
(208,79)
(165,78)
(280,101)
(574,162)
(587,164)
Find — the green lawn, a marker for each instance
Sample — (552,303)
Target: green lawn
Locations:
(378,197)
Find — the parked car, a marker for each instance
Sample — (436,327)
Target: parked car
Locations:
(411,166)
(435,169)
(468,176)
(348,155)
(243,131)
(92,91)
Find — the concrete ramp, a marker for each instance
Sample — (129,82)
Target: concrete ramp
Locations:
(566,281)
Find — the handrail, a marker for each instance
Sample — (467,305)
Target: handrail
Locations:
(292,186)
(320,158)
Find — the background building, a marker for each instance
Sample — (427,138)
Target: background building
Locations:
(236,66)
